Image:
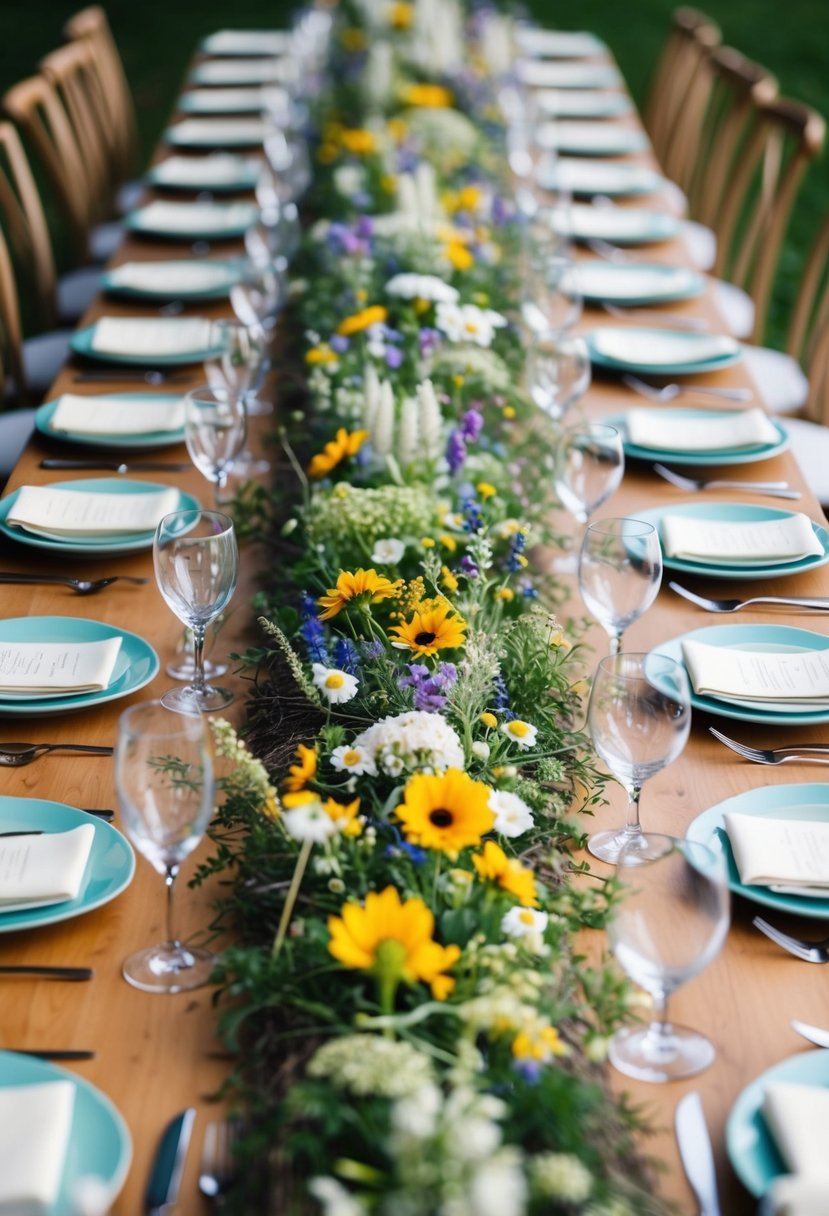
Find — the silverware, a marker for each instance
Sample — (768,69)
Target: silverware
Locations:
(168,1164)
(806,753)
(774,489)
(53,1053)
(28,832)
(667,392)
(83,586)
(48,973)
(815,1034)
(218,1165)
(695,1152)
(153,376)
(610,253)
(670,320)
(810,952)
(15,755)
(100,814)
(119,466)
(793,601)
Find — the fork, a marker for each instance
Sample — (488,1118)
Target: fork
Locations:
(610,253)
(774,489)
(667,392)
(670,320)
(810,952)
(776,755)
(794,601)
(218,1170)
(83,586)
(15,755)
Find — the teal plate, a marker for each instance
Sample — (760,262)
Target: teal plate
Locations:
(210,101)
(177,137)
(685,344)
(590,138)
(224,232)
(539,74)
(149,439)
(712,459)
(99,1142)
(640,283)
(232,269)
(768,802)
(750,1147)
(558,44)
(245,179)
(125,542)
(81,344)
(734,512)
(246,42)
(109,870)
(620,225)
(775,638)
(582,103)
(233,73)
(616,179)
(136,665)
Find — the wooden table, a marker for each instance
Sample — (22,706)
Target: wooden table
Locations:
(156,1055)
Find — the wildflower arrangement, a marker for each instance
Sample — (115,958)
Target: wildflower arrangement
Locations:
(418,1031)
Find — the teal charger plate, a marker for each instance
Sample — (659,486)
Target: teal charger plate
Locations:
(150,439)
(659,284)
(134,222)
(231,267)
(744,455)
(685,342)
(81,344)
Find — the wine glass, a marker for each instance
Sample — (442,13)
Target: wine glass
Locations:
(238,361)
(639,718)
(164,785)
(670,922)
(551,303)
(196,567)
(620,570)
(558,372)
(589,464)
(215,426)
(259,295)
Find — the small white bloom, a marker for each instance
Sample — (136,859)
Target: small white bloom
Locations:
(523,922)
(512,815)
(481,751)
(334,684)
(562,1176)
(468,323)
(387,551)
(416,1115)
(355,760)
(334,1198)
(522,733)
(499,1187)
(349,179)
(309,822)
(422,287)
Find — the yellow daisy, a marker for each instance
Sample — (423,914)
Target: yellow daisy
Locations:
(447,811)
(434,626)
(344,444)
(375,314)
(305,770)
(538,1045)
(493,865)
(429,96)
(367,585)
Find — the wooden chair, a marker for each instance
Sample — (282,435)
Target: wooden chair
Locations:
(16,425)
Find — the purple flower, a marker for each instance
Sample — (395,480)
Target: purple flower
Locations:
(471,425)
(456,451)
(365,227)
(373,649)
(429,689)
(393,356)
(468,566)
(339,343)
(429,340)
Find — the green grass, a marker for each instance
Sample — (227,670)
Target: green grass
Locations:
(157,39)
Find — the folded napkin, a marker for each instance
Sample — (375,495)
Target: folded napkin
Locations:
(681,431)
(770,542)
(219,131)
(580,176)
(632,346)
(564,44)
(540,75)
(145,336)
(797,1117)
(793,1195)
(36,1122)
(52,669)
(590,136)
(201,172)
(139,415)
(784,854)
(247,42)
(239,71)
(170,277)
(37,871)
(588,223)
(582,103)
(626,284)
(82,514)
(223,100)
(786,680)
(194,219)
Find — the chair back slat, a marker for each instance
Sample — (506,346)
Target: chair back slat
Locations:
(69,70)
(91,26)
(686,98)
(24,221)
(11,331)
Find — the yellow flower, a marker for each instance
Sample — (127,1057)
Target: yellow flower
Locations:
(448,580)
(429,96)
(434,626)
(358,321)
(344,816)
(559,641)
(427,542)
(397,129)
(447,811)
(458,255)
(539,1045)
(485,489)
(449,543)
(393,941)
(362,583)
(400,17)
(304,771)
(489,720)
(505,593)
(327,154)
(321,354)
(493,865)
(508,412)
(343,445)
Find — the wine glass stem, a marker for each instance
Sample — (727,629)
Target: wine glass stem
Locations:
(616,642)
(632,825)
(220,483)
(169,879)
(198,657)
(658,1044)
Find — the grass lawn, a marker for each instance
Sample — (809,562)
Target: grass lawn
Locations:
(157,37)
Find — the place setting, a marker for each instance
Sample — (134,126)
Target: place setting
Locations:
(217,173)
(188,221)
(217,133)
(590,138)
(704,438)
(178,279)
(223,101)
(625,226)
(250,70)
(147,341)
(660,352)
(117,421)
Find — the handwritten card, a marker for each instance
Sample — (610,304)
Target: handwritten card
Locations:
(790,853)
(36,1122)
(49,511)
(768,542)
(140,415)
(56,668)
(792,679)
(675,430)
(37,871)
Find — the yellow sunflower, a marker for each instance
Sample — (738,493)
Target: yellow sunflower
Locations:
(375,314)
(393,941)
(434,626)
(362,583)
(447,811)
(305,770)
(494,866)
(344,444)
(429,96)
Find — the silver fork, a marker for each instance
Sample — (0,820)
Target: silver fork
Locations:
(774,489)
(83,586)
(810,952)
(15,755)
(776,755)
(669,320)
(218,1169)
(794,601)
(667,392)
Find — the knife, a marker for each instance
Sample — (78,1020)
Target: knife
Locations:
(814,1034)
(118,466)
(168,1164)
(49,973)
(53,1053)
(696,1154)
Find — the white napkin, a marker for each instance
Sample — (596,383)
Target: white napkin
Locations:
(680,431)
(223,101)
(633,346)
(603,281)
(784,854)
(192,219)
(82,514)
(587,223)
(582,103)
(201,172)
(145,336)
(57,668)
(797,1117)
(540,75)
(597,177)
(558,44)
(239,71)
(247,42)
(590,136)
(790,680)
(218,131)
(38,871)
(170,277)
(771,542)
(139,415)
(36,1122)
(793,1195)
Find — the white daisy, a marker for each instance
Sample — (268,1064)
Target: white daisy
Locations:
(387,551)
(523,922)
(422,287)
(522,733)
(334,684)
(309,822)
(512,815)
(353,759)
(468,323)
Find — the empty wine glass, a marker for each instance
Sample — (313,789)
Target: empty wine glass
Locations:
(639,718)
(589,464)
(196,567)
(259,295)
(620,570)
(550,300)
(558,372)
(164,785)
(215,426)
(670,922)
(238,361)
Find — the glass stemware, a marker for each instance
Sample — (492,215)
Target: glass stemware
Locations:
(620,571)
(639,718)
(196,567)
(589,464)
(215,426)
(164,785)
(237,365)
(670,922)
(558,372)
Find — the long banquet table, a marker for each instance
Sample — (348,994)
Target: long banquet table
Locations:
(156,1055)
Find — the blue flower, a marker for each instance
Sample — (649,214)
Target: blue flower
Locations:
(346,656)
(312,632)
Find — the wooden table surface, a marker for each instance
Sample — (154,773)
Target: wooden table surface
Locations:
(155,1054)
